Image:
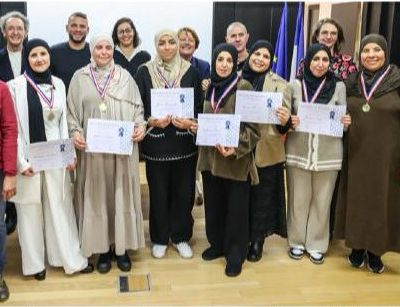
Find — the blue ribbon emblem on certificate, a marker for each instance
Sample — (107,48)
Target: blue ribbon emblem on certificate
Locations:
(62,147)
(182,98)
(121,132)
(332,115)
(269,103)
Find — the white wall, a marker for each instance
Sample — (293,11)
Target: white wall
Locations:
(48,19)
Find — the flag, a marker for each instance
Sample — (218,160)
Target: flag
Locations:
(279,65)
(298,45)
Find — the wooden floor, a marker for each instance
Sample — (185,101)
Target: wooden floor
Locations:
(275,280)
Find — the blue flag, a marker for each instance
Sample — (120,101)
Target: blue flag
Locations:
(280,60)
(298,45)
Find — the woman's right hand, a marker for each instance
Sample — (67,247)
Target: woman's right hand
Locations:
(79,141)
(205,84)
(28,172)
(295,121)
(160,122)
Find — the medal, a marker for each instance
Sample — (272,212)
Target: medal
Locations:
(366,107)
(50,116)
(103,107)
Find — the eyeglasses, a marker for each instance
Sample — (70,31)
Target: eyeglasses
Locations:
(326,33)
(126,31)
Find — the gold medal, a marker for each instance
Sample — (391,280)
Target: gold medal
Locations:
(366,107)
(103,107)
(50,116)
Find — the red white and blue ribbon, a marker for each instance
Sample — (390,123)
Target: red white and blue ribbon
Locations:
(319,89)
(373,89)
(165,81)
(215,106)
(47,100)
(100,90)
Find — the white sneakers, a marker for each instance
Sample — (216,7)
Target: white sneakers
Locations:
(158,251)
(184,250)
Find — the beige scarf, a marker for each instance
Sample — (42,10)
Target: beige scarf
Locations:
(167,74)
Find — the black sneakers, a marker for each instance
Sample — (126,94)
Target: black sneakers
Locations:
(356,258)
(375,263)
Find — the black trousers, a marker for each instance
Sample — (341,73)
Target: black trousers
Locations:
(226,204)
(171,189)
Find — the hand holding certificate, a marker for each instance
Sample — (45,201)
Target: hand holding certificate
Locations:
(177,102)
(258,107)
(321,119)
(222,129)
(51,155)
(109,136)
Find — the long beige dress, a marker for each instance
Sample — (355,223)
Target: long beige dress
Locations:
(107,187)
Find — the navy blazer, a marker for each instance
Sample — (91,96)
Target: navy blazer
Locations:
(202,67)
(6,73)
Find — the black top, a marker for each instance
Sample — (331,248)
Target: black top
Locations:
(65,61)
(170,143)
(132,66)
(6,73)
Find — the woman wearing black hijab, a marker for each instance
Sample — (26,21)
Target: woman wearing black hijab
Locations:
(227,172)
(46,222)
(313,160)
(368,211)
(267,199)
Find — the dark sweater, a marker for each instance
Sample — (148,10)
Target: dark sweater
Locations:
(65,61)
(132,65)
(170,143)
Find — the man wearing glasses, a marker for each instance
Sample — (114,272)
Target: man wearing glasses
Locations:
(14,27)
(68,57)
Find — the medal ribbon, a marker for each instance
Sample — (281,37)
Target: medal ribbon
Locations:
(373,89)
(214,106)
(102,92)
(49,102)
(165,81)
(316,93)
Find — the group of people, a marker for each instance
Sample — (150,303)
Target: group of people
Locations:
(53,92)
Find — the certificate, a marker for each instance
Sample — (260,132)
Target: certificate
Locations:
(177,102)
(109,136)
(321,119)
(55,154)
(258,107)
(220,129)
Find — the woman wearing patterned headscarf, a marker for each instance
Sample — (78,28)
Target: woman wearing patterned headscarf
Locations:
(169,149)
(313,160)
(368,211)
(107,187)
(267,199)
(46,219)
(227,172)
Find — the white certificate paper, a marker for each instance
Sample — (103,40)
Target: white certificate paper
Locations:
(220,129)
(109,136)
(177,102)
(321,119)
(55,154)
(258,107)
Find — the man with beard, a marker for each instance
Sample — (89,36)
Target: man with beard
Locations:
(236,34)
(68,57)
(14,27)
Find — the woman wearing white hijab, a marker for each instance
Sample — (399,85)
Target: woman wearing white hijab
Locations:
(107,188)
(169,149)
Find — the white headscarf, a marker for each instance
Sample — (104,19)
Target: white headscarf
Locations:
(172,70)
(94,41)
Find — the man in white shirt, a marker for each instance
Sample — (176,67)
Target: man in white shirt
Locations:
(14,26)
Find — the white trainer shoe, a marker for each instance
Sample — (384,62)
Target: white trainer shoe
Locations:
(158,250)
(184,250)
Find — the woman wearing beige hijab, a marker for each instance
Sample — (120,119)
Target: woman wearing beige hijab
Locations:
(169,148)
(107,188)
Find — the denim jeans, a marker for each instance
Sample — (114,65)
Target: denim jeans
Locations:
(3,231)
